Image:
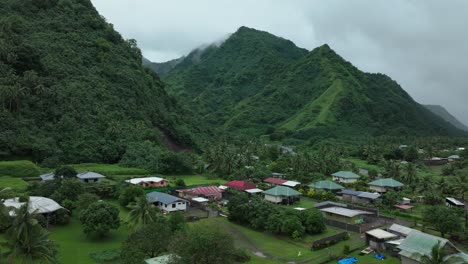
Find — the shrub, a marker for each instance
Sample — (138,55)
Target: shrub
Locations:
(65,172)
(180,183)
(241,256)
(99,218)
(129,194)
(346,250)
(19,168)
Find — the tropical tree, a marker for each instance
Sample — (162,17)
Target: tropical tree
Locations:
(438,256)
(27,238)
(460,184)
(142,213)
(99,218)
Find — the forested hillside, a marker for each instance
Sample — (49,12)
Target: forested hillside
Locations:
(72,90)
(256,83)
(443,113)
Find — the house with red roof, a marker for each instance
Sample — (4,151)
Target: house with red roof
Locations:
(241,185)
(208,192)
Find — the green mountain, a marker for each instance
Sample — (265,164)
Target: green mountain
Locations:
(443,113)
(256,83)
(72,89)
(161,68)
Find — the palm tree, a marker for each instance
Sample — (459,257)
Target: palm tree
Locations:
(438,256)
(142,213)
(27,238)
(460,184)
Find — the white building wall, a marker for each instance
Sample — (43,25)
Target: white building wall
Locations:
(378,189)
(343,180)
(172,207)
(274,199)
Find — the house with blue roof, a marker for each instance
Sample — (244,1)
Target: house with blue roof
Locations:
(166,202)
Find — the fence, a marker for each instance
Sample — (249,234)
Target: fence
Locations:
(328,241)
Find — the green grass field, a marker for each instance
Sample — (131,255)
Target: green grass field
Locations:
(75,246)
(305,202)
(19,168)
(266,248)
(195,179)
(17,184)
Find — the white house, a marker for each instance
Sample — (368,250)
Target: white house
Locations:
(90,176)
(167,202)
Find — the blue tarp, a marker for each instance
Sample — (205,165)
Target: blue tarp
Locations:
(379,256)
(347,260)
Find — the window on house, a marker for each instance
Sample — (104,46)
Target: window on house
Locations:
(173,205)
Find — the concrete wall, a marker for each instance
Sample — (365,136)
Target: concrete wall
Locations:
(343,180)
(378,189)
(172,207)
(274,199)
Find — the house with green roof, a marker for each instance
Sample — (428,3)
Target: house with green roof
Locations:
(328,186)
(418,244)
(345,176)
(282,194)
(385,185)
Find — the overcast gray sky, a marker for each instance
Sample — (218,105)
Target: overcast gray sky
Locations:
(422,44)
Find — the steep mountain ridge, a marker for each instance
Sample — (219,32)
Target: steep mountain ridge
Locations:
(72,90)
(446,115)
(289,92)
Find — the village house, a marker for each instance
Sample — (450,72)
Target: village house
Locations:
(149,182)
(453,158)
(328,186)
(84,176)
(240,185)
(282,194)
(345,215)
(452,202)
(166,202)
(359,197)
(277,181)
(418,244)
(211,193)
(377,239)
(90,176)
(36,204)
(385,185)
(345,177)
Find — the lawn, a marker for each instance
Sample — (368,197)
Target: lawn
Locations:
(363,164)
(16,184)
(281,249)
(75,247)
(195,179)
(305,202)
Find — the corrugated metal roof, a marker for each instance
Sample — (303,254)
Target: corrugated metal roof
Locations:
(282,191)
(400,229)
(350,192)
(387,182)
(145,179)
(275,180)
(47,176)
(90,175)
(380,234)
(291,183)
(369,195)
(344,211)
(37,204)
(419,243)
(346,175)
(240,185)
(326,185)
(162,197)
(329,204)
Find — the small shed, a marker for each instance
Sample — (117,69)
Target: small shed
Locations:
(90,176)
(376,238)
(47,176)
(282,194)
(345,176)
(254,191)
(452,202)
